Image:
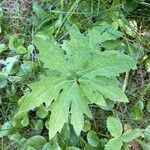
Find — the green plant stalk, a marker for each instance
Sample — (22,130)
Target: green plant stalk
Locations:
(92,7)
(68,15)
(125,83)
(62,8)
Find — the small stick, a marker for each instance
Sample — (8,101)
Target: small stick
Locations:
(125,81)
(124,86)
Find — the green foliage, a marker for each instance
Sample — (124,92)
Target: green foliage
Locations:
(92,138)
(115,128)
(114,144)
(147,133)
(84,77)
(62,66)
(6,129)
(36,142)
(130,135)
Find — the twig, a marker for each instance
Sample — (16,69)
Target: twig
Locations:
(124,86)
(125,81)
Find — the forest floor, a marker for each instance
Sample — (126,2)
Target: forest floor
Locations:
(21,20)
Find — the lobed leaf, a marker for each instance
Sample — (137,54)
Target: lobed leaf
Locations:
(85,75)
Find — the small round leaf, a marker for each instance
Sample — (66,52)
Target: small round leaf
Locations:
(92,138)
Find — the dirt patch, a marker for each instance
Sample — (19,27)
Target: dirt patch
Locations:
(19,13)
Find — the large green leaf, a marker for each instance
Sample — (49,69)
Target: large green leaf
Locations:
(83,56)
(108,87)
(78,108)
(85,75)
(109,63)
(59,112)
(44,90)
(50,53)
(93,94)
